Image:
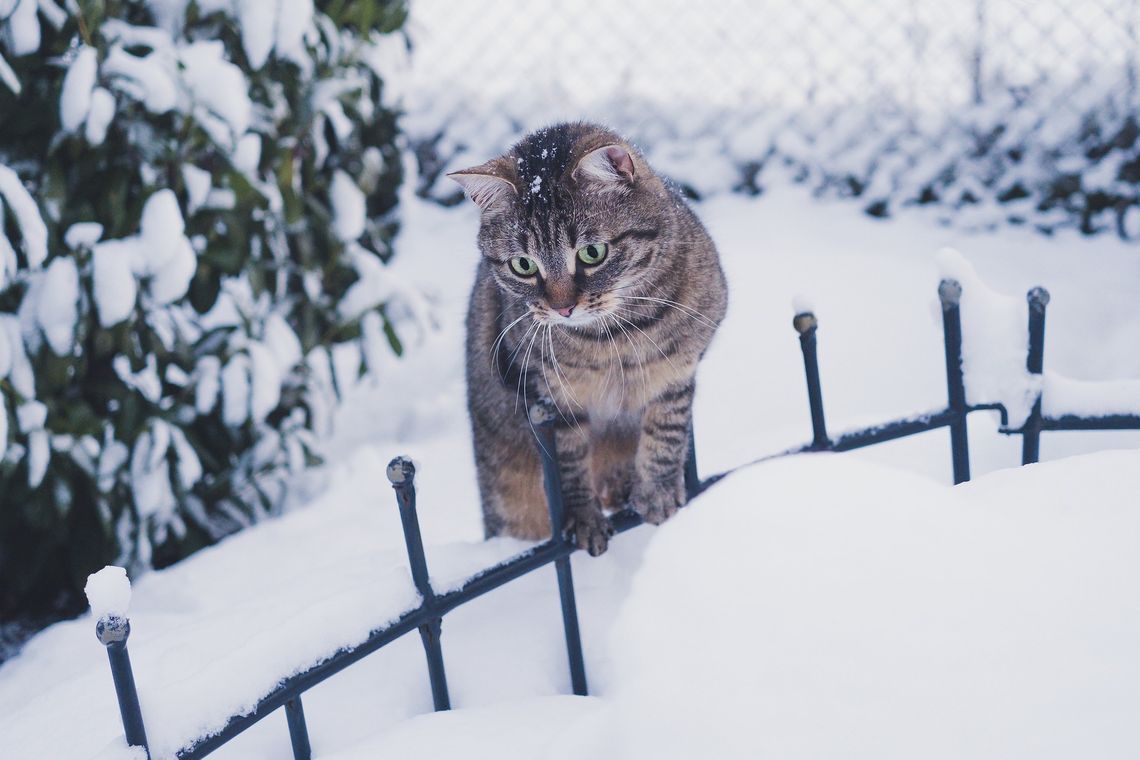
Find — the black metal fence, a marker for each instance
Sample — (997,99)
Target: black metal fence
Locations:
(428,616)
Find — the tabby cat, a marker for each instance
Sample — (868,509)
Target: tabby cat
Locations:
(599,289)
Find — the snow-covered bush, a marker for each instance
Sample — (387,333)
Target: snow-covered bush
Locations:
(192,194)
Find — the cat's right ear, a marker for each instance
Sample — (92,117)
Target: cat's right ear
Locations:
(486,186)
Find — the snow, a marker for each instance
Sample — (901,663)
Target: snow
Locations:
(802,304)
(23,28)
(247,154)
(189,467)
(39,456)
(1089,398)
(282,342)
(256,19)
(150,480)
(291,31)
(160,254)
(114,286)
(78,84)
(8,77)
(30,416)
(235,386)
(145,381)
(99,117)
(171,280)
(265,381)
(348,207)
(146,78)
(57,308)
(83,235)
(861,597)
(5,356)
(197,186)
(994,342)
(20,372)
(217,85)
(20,202)
(108,592)
(208,384)
(377,284)
(876,614)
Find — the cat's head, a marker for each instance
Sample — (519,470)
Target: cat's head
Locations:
(572,220)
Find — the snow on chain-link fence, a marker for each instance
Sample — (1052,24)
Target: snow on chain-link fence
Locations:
(1024,104)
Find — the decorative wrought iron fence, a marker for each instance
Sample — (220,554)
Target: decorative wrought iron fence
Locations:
(428,616)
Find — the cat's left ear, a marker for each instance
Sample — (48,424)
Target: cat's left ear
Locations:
(609,164)
(486,185)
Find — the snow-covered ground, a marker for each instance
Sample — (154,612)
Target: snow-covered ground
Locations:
(851,605)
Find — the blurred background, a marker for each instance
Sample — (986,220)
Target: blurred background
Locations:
(204,205)
(1003,110)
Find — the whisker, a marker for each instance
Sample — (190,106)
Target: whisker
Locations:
(650,339)
(499,339)
(680,307)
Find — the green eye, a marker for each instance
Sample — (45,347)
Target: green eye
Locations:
(523,266)
(593,254)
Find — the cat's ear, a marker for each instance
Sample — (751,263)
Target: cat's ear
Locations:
(608,164)
(487,185)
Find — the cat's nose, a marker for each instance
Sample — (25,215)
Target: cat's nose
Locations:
(566,312)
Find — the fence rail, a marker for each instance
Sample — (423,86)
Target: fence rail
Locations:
(428,616)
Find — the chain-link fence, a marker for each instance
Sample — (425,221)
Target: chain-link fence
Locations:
(882,99)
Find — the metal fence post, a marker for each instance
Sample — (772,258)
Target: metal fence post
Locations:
(1038,299)
(112,632)
(402,475)
(950,294)
(692,477)
(298,731)
(542,417)
(806,324)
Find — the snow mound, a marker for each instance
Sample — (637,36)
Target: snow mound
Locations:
(108,592)
(822,607)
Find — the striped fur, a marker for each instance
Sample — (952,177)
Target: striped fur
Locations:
(621,367)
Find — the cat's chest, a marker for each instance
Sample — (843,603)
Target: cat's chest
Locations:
(607,385)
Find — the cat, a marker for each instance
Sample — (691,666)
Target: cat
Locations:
(599,289)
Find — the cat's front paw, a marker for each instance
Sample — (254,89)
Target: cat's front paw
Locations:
(589,529)
(656,502)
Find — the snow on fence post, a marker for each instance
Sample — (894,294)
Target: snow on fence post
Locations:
(950,294)
(806,324)
(542,416)
(402,475)
(109,593)
(1038,299)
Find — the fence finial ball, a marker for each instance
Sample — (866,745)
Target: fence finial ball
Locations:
(1038,298)
(949,292)
(401,470)
(112,629)
(804,322)
(543,412)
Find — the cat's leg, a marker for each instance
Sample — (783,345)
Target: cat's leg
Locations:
(509,473)
(659,467)
(612,450)
(587,526)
